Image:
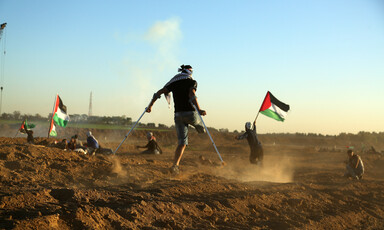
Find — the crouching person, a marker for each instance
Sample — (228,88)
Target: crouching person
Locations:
(94,147)
(152,146)
(355,166)
(92,144)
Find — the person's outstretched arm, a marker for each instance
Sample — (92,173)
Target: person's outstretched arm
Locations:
(242,136)
(357,162)
(145,146)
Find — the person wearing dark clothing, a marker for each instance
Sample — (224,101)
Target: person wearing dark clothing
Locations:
(75,143)
(30,136)
(183,89)
(354,166)
(257,153)
(92,144)
(152,146)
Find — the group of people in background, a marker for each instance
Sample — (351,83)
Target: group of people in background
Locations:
(91,147)
(187,112)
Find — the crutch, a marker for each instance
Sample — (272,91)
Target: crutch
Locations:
(132,128)
(210,137)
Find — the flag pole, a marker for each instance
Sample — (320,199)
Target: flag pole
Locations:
(51,120)
(260,107)
(256,117)
(145,110)
(17,132)
(210,137)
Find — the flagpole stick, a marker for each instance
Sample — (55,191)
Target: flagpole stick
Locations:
(256,117)
(53,109)
(132,128)
(260,107)
(210,137)
(16,133)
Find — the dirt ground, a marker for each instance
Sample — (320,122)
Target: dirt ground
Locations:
(297,187)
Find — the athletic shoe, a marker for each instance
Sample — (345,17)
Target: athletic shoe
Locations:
(174,170)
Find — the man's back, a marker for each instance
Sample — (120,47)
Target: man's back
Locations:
(180,90)
(92,142)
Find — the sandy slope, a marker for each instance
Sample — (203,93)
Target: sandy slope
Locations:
(45,187)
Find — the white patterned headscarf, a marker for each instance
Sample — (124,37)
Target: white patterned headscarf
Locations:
(247,125)
(186,72)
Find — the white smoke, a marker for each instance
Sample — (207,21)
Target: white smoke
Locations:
(151,61)
(165,37)
(156,55)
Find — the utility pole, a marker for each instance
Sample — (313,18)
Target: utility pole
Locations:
(2,61)
(90,105)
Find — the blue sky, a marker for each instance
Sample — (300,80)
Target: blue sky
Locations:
(323,58)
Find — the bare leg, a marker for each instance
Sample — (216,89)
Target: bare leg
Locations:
(178,154)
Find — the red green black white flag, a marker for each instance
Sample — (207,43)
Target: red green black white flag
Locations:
(60,116)
(52,131)
(24,126)
(274,108)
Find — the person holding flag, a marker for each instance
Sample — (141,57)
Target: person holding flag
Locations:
(183,88)
(257,153)
(26,128)
(272,108)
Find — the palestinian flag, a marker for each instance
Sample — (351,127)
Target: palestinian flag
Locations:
(24,126)
(274,108)
(52,131)
(60,115)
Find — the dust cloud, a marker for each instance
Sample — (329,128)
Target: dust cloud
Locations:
(273,169)
(121,172)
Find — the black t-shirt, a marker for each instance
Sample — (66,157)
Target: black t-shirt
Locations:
(180,90)
(152,145)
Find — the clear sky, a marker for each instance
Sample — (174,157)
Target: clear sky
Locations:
(323,58)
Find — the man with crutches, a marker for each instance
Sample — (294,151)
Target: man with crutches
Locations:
(183,89)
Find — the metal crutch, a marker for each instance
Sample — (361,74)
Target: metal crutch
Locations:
(210,137)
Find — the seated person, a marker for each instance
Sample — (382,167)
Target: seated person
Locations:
(92,144)
(152,146)
(75,143)
(355,166)
(63,144)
